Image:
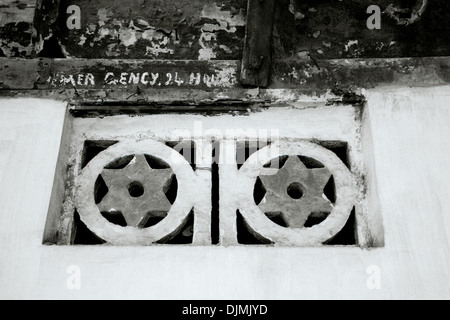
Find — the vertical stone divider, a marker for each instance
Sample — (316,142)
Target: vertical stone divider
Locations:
(203,207)
(229,176)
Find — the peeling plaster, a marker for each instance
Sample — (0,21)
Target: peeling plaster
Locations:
(208,37)
(159,30)
(297,14)
(128,34)
(416,13)
(12,49)
(350,44)
(16,39)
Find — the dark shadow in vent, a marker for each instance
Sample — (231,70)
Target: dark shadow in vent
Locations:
(347,236)
(259,191)
(92,148)
(244,149)
(84,236)
(152,221)
(115,218)
(120,163)
(186,148)
(339,148)
(171,189)
(315,219)
(277,217)
(215,194)
(101,189)
(330,190)
(156,163)
(135,189)
(277,163)
(311,163)
(244,236)
(185,235)
(295,191)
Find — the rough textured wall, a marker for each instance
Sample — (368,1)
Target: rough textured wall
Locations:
(215,30)
(338,29)
(16,27)
(208,30)
(160,29)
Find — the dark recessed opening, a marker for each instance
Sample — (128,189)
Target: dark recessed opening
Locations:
(311,163)
(92,148)
(153,220)
(347,236)
(244,149)
(339,148)
(295,191)
(184,235)
(277,218)
(330,190)
(277,163)
(120,163)
(186,148)
(136,189)
(171,189)
(316,218)
(82,235)
(259,191)
(115,218)
(215,194)
(156,163)
(244,235)
(100,190)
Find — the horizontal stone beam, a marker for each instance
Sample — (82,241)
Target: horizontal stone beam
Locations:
(137,76)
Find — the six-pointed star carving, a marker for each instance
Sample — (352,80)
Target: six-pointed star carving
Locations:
(150,201)
(311,182)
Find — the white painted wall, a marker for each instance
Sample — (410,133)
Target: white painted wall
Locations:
(411,142)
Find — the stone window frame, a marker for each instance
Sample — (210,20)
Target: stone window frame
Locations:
(369,232)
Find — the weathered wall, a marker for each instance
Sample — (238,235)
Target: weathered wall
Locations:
(16,27)
(337,29)
(406,133)
(162,29)
(215,30)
